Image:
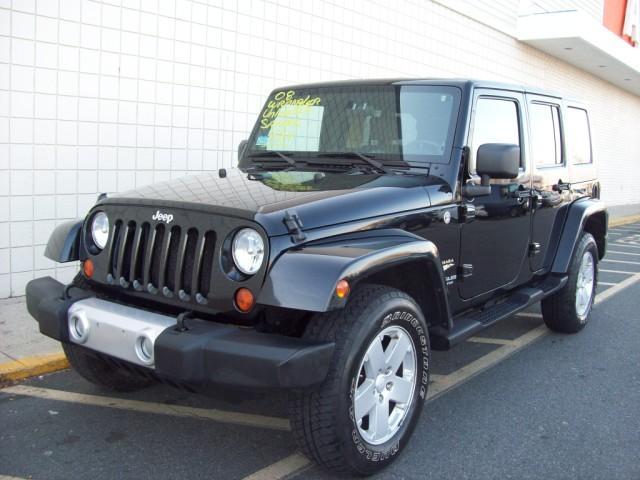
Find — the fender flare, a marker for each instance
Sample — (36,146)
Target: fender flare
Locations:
(305,278)
(64,242)
(577,219)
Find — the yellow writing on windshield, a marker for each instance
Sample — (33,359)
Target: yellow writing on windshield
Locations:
(296,107)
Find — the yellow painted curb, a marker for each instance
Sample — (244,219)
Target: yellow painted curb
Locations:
(624,220)
(32,366)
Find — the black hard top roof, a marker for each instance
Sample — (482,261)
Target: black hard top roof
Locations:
(463,84)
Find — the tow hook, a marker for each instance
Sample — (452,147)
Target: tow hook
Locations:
(181,325)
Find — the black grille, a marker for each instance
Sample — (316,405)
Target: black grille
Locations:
(172,261)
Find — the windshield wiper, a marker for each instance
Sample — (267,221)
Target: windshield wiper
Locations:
(274,153)
(368,160)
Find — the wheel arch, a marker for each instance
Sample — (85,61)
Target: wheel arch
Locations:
(585,215)
(305,278)
(429,295)
(596,225)
(64,243)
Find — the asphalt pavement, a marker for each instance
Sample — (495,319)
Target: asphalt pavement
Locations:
(514,402)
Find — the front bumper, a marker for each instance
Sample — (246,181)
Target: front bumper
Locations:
(205,355)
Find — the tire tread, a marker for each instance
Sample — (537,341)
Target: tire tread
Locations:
(313,419)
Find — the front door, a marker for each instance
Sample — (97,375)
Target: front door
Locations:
(494,246)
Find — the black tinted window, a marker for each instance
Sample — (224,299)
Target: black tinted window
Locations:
(544,122)
(578,136)
(496,121)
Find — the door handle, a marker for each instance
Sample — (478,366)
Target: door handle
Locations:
(467,213)
(523,194)
(561,186)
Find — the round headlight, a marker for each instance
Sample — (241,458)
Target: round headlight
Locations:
(100,229)
(248,251)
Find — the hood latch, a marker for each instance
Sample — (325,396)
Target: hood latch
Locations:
(294,226)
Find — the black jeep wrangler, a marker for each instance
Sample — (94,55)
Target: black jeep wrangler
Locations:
(367,222)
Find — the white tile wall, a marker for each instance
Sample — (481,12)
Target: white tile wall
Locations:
(101,96)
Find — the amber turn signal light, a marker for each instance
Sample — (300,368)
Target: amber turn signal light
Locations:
(342,288)
(87,268)
(244,300)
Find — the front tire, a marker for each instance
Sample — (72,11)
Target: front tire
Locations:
(362,415)
(101,373)
(567,311)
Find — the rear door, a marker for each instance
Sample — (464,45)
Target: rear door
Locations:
(551,186)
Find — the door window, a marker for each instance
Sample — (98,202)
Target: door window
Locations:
(496,121)
(578,136)
(546,147)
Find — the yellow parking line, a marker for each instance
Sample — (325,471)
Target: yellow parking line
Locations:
(606,284)
(221,416)
(287,466)
(448,382)
(493,341)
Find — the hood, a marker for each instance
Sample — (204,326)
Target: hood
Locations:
(319,198)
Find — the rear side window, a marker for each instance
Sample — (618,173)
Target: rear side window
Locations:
(546,146)
(578,136)
(496,121)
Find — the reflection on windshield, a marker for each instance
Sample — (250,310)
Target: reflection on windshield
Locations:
(410,123)
(304,181)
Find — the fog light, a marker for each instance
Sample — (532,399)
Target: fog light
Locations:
(144,349)
(79,327)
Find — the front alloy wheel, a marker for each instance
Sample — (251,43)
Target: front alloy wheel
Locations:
(361,417)
(385,384)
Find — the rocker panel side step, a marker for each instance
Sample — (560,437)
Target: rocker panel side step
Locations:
(468,324)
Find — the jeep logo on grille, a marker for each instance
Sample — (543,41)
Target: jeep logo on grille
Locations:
(162,217)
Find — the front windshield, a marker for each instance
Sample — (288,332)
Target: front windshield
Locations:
(411,123)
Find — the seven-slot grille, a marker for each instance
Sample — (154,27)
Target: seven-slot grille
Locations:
(159,258)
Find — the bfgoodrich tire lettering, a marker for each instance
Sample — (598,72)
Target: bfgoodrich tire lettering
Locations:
(563,311)
(323,420)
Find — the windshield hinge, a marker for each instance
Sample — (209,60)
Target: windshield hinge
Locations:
(294,225)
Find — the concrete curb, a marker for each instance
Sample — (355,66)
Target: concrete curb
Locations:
(624,220)
(32,366)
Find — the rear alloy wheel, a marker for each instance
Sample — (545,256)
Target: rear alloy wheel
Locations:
(568,310)
(585,285)
(361,416)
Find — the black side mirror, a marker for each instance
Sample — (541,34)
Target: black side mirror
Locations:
(241,148)
(494,160)
(497,160)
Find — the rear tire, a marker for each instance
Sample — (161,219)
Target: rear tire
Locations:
(377,322)
(101,373)
(567,311)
